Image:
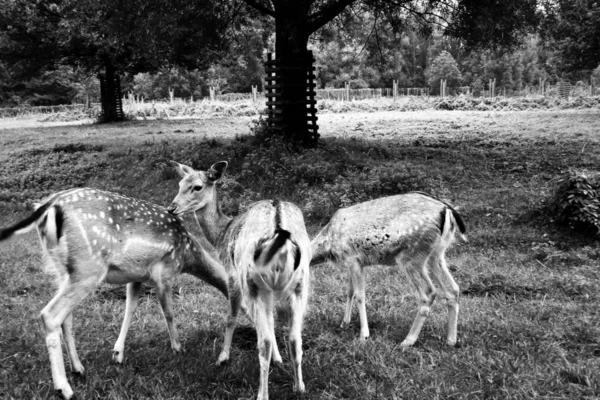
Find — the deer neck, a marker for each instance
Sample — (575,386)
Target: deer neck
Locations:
(212,221)
(200,263)
(320,247)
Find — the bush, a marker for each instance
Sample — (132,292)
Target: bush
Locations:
(576,201)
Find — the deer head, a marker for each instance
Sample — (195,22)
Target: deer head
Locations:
(196,188)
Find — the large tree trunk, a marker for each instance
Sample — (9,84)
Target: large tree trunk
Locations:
(110,94)
(291,33)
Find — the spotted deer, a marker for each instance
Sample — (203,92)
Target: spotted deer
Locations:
(412,231)
(92,236)
(266,252)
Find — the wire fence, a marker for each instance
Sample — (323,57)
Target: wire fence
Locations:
(132,103)
(15,112)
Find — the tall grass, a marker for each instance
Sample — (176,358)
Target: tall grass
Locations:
(529,324)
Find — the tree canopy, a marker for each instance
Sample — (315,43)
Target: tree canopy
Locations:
(573,29)
(444,67)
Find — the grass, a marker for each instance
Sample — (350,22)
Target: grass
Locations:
(529,324)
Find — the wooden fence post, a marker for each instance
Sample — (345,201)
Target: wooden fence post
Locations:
(347,87)
(395,89)
(171,95)
(254,91)
(211,90)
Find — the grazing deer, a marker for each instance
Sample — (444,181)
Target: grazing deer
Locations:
(91,236)
(266,252)
(412,230)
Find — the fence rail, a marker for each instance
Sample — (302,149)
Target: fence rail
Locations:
(343,94)
(36,110)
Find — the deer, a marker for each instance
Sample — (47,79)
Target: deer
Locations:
(90,236)
(412,231)
(266,252)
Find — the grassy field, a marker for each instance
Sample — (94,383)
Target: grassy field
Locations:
(529,325)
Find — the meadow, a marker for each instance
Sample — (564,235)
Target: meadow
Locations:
(529,323)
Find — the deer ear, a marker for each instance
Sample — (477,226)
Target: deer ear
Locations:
(217,170)
(182,170)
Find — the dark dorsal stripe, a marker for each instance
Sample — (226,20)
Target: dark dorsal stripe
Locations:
(277,206)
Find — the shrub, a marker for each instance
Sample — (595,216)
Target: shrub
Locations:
(576,201)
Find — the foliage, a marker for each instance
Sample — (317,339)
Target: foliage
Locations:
(596,75)
(184,84)
(573,29)
(470,103)
(492,23)
(444,67)
(576,201)
(247,108)
(110,35)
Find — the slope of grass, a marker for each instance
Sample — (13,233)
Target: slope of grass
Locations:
(529,324)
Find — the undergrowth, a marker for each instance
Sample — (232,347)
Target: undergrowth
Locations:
(247,108)
(576,201)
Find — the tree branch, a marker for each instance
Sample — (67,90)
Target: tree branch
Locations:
(260,7)
(327,13)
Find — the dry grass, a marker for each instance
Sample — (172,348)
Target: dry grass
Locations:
(529,324)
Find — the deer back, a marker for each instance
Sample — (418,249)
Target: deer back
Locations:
(126,234)
(253,232)
(376,231)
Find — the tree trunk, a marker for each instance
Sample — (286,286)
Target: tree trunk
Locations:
(291,33)
(110,94)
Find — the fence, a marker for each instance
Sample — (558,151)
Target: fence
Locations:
(14,112)
(132,103)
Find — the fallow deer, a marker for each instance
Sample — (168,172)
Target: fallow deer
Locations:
(266,252)
(410,230)
(92,236)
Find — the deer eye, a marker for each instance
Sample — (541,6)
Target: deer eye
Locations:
(197,188)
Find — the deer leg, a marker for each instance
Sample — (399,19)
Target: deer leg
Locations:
(134,290)
(297,308)
(417,272)
(53,317)
(67,330)
(349,298)
(352,290)
(235,298)
(356,290)
(165,297)
(451,292)
(271,319)
(359,294)
(263,309)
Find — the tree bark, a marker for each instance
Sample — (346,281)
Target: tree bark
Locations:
(110,92)
(291,32)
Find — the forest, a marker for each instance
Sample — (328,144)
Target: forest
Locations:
(558,43)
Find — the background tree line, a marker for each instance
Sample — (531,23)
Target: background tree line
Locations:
(51,52)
